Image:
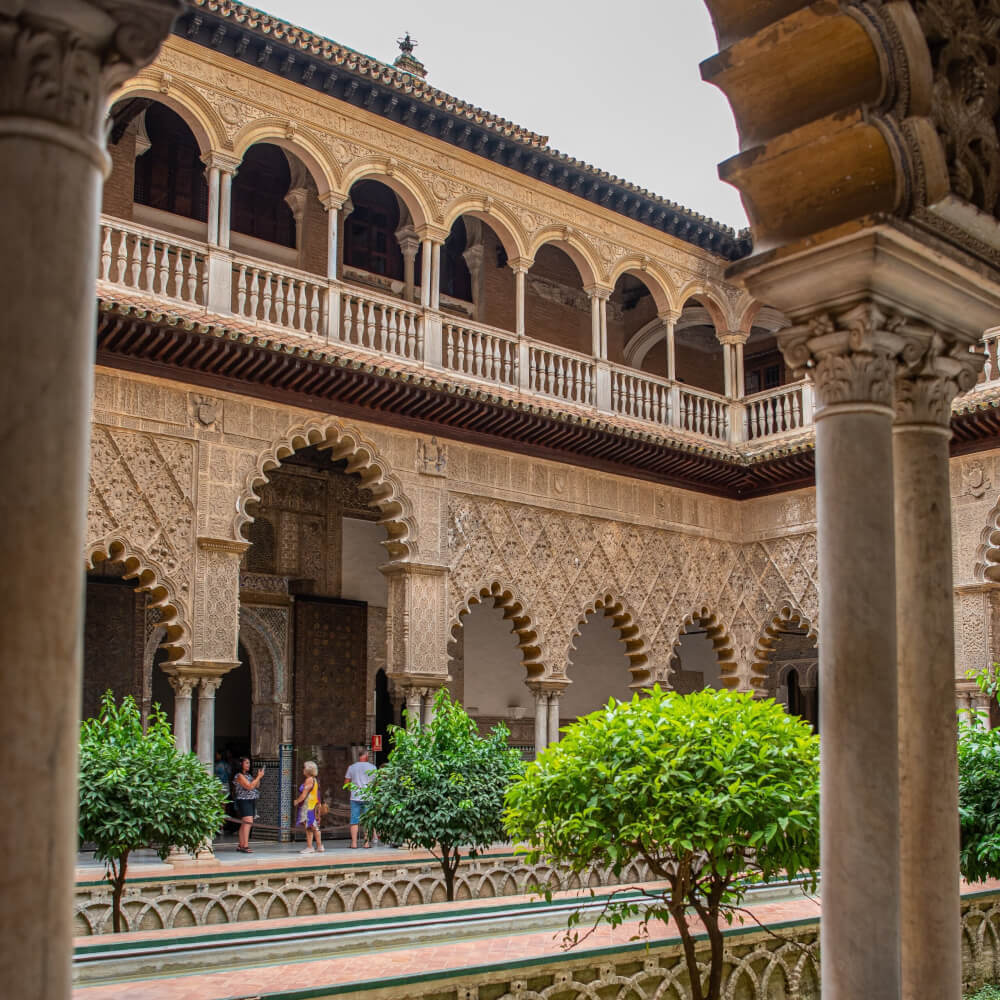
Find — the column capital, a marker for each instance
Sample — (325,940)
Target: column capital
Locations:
(732,337)
(409,241)
(183,684)
(669,315)
(207,686)
(932,375)
(520,264)
(428,231)
(60,62)
(223,161)
(332,201)
(596,291)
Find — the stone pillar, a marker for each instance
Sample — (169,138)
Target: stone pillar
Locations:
(409,244)
(553,734)
(854,357)
(206,719)
(929,832)
(332,206)
(225,206)
(183,685)
(427,713)
(541,720)
(213,201)
(669,322)
(59,63)
(740,373)
(595,322)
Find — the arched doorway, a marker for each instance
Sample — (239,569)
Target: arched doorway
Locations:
(696,660)
(599,668)
(793,671)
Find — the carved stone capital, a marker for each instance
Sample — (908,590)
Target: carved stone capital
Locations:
(935,374)
(208,687)
(854,355)
(183,684)
(733,337)
(59,62)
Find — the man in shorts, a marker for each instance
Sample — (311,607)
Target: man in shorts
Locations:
(360,775)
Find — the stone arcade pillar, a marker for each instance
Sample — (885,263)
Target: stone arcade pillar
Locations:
(855,367)
(183,685)
(541,720)
(553,734)
(59,62)
(207,687)
(929,838)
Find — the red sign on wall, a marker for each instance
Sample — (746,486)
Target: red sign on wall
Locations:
(377,742)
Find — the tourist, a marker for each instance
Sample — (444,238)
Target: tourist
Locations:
(246,791)
(359,777)
(309,807)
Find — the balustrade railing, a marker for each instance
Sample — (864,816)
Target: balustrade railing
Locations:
(265,293)
(644,397)
(703,413)
(990,346)
(388,326)
(481,352)
(151,261)
(558,373)
(778,411)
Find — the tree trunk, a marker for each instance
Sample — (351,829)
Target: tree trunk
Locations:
(118,872)
(717,943)
(449,864)
(690,953)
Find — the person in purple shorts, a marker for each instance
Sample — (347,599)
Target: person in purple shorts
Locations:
(308,803)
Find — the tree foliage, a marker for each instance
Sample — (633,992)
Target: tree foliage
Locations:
(979,800)
(137,790)
(712,790)
(443,787)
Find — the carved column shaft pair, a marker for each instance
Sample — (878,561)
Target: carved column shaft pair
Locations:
(184,686)
(889,791)
(546,716)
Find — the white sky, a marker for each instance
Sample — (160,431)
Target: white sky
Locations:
(615,84)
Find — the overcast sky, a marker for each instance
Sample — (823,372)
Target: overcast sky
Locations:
(615,84)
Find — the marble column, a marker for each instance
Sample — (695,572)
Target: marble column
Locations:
(669,322)
(59,62)
(213,202)
(225,206)
(595,323)
(541,720)
(435,289)
(206,719)
(332,232)
(413,707)
(855,364)
(520,270)
(409,244)
(425,272)
(929,831)
(183,687)
(553,734)
(427,715)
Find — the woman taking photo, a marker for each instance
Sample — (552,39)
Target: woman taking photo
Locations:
(246,791)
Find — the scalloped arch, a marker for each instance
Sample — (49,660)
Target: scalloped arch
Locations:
(506,599)
(300,143)
(397,176)
(785,614)
(987,565)
(151,579)
(498,217)
(651,275)
(722,644)
(574,246)
(363,460)
(198,114)
(629,631)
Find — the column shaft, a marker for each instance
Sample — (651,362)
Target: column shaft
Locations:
(332,227)
(553,735)
(860,774)
(225,207)
(435,274)
(727,369)
(413,704)
(519,286)
(603,313)
(182,718)
(931,921)
(206,719)
(740,374)
(671,351)
(425,273)
(595,325)
(541,721)
(213,204)
(427,715)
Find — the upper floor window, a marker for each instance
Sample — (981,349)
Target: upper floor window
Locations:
(259,189)
(370,242)
(170,176)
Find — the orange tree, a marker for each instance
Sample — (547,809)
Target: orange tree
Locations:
(712,790)
(137,790)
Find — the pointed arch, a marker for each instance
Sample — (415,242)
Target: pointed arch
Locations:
(498,217)
(624,621)
(722,645)
(150,578)
(305,146)
(363,460)
(184,100)
(401,179)
(506,599)
(574,246)
(784,615)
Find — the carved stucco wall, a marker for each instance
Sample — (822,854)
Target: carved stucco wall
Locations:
(171,465)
